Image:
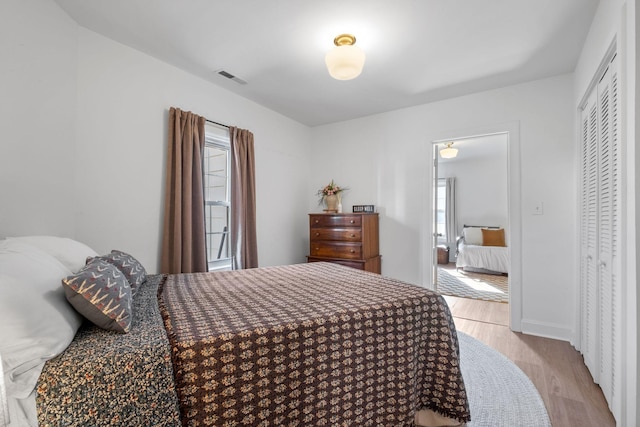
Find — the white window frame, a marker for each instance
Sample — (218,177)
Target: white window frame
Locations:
(217,138)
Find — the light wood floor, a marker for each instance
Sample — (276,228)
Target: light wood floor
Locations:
(555,367)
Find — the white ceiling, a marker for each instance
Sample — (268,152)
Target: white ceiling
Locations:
(418,51)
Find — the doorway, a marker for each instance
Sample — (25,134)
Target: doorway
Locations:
(509,133)
(471,201)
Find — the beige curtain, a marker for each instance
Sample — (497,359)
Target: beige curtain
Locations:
(183,241)
(244,243)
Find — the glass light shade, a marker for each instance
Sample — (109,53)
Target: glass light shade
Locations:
(345,62)
(448,153)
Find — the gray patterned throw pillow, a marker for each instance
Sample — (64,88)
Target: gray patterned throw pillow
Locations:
(128,265)
(101,293)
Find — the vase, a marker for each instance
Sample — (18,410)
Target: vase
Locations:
(331,202)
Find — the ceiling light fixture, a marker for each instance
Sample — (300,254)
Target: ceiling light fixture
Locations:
(448,152)
(345,61)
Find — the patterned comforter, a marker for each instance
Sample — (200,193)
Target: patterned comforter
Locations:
(304,345)
(310,345)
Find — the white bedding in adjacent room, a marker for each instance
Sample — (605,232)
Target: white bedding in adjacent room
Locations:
(495,258)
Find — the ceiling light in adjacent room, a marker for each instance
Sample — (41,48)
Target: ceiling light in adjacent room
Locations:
(345,61)
(448,152)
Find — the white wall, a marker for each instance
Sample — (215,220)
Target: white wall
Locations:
(38,51)
(384,159)
(618,20)
(633,296)
(123,102)
(83,151)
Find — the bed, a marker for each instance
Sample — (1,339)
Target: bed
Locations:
(307,344)
(483,249)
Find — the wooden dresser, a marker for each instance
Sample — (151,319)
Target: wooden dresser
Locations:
(349,239)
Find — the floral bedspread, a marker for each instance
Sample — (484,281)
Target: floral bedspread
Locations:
(313,344)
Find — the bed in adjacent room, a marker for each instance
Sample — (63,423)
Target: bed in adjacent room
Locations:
(483,249)
(307,344)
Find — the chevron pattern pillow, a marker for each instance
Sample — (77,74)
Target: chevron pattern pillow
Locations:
(102,294)
(128,265)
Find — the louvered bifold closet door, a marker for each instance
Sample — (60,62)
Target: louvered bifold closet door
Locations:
(600,216)
(609,238)
(616,246)
(589,237)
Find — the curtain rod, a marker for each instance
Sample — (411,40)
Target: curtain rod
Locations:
(216,123)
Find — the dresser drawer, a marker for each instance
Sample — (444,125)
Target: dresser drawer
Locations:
(336,250)
(338,234)
(335,221)
(359,265)
(372,265)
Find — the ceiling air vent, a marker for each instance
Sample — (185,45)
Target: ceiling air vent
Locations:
(230,76)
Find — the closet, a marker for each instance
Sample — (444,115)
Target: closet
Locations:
(600,215)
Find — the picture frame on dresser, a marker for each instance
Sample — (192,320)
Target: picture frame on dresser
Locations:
(350,239)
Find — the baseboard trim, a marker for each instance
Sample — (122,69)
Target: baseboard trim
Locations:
(546,330)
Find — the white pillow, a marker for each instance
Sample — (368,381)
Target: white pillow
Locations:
(36,321)
(34,267)
(473,235)
(71,253)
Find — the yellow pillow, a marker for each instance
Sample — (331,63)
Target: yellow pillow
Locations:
(493,237)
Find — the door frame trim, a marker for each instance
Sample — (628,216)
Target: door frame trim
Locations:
(514,187)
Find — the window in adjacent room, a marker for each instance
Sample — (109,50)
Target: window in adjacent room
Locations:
(441,212)
(217,196)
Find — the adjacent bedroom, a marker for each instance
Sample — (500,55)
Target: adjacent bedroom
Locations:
(471,212)
(240,213)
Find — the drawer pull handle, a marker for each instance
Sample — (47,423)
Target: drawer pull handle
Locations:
(353,251)
(317,234)
(317,249)
(351,222)
(353,235)
(317,221)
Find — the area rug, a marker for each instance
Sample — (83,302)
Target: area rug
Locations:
(487,287)
(500,394)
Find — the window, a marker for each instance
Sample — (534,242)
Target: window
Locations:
(441,220)
(217,198)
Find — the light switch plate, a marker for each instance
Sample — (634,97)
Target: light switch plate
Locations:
(538,208)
